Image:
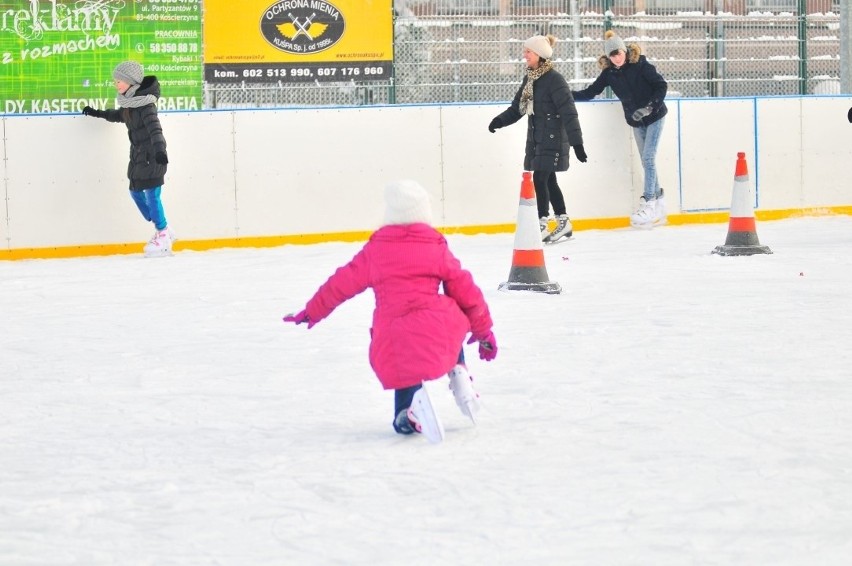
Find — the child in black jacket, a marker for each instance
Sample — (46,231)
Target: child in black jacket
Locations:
(137,100)
(641,90)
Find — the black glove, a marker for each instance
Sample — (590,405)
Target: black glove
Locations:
(580,153)
(89,111)
(850,115)
(161,158)
(495,125)
(641,113)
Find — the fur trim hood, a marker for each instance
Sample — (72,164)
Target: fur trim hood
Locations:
(633,53)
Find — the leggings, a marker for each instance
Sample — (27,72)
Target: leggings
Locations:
(149,204)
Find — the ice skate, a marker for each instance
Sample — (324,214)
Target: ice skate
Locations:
(402,424)
(660,215)
(422,415)
(563,231)
(643,218)
(461,384)
(651,213)
(544,226)
(159,245)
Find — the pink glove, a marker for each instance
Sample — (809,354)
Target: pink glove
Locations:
(299,318)
(487,346)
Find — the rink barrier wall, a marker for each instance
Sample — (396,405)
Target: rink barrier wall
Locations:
(262,178)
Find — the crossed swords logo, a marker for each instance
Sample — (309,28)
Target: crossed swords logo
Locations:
(298,26)
(302,28)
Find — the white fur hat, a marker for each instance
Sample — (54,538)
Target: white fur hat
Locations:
(540,45)
(407,202)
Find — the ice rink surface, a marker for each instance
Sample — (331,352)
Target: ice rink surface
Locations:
(670,407)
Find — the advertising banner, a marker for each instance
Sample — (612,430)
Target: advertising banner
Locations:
(58,55)
(261,41)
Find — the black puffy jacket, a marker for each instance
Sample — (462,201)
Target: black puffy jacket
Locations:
(553,127)
(637,84)
(146,138)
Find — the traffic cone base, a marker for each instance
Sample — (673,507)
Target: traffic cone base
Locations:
(741,250)
(528,272)
(742,230)
(551,287)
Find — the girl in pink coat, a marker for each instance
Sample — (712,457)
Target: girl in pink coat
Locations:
(417,331)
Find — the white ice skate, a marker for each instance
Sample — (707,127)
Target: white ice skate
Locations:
(564,230)
(643,218)
(461,384)
(650,213)
(422,413)
(159,245)
(544,226)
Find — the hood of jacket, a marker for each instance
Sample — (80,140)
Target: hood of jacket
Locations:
(149,85)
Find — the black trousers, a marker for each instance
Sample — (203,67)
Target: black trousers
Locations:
(547,192)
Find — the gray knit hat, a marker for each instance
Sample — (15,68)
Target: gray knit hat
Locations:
(129,72)
(613,43)
(541,45)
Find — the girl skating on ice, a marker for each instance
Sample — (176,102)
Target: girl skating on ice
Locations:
(417,332)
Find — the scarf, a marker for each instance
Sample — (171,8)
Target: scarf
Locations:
(130,100)
(527,94)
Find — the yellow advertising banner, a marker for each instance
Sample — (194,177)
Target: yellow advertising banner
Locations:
(298,40)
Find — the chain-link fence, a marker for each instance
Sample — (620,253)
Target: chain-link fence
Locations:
(452,51)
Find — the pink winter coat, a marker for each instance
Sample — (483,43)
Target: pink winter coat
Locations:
(417,332)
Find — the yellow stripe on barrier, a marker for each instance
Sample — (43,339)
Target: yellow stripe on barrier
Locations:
(361,236)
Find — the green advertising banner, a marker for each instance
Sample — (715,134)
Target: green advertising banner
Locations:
(58,55)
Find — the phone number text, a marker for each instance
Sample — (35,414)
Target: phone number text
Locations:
(368,71)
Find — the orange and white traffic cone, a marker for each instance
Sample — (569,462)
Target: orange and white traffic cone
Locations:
(742,230)
(528,272)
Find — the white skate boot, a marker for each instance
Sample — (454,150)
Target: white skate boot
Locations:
(423,416)
(461,384)
(159,245)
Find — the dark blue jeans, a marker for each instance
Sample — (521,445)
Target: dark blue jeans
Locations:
(402,397)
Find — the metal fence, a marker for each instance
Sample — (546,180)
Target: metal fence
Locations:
(453,51)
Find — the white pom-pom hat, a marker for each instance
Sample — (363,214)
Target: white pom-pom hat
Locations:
(540,45)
